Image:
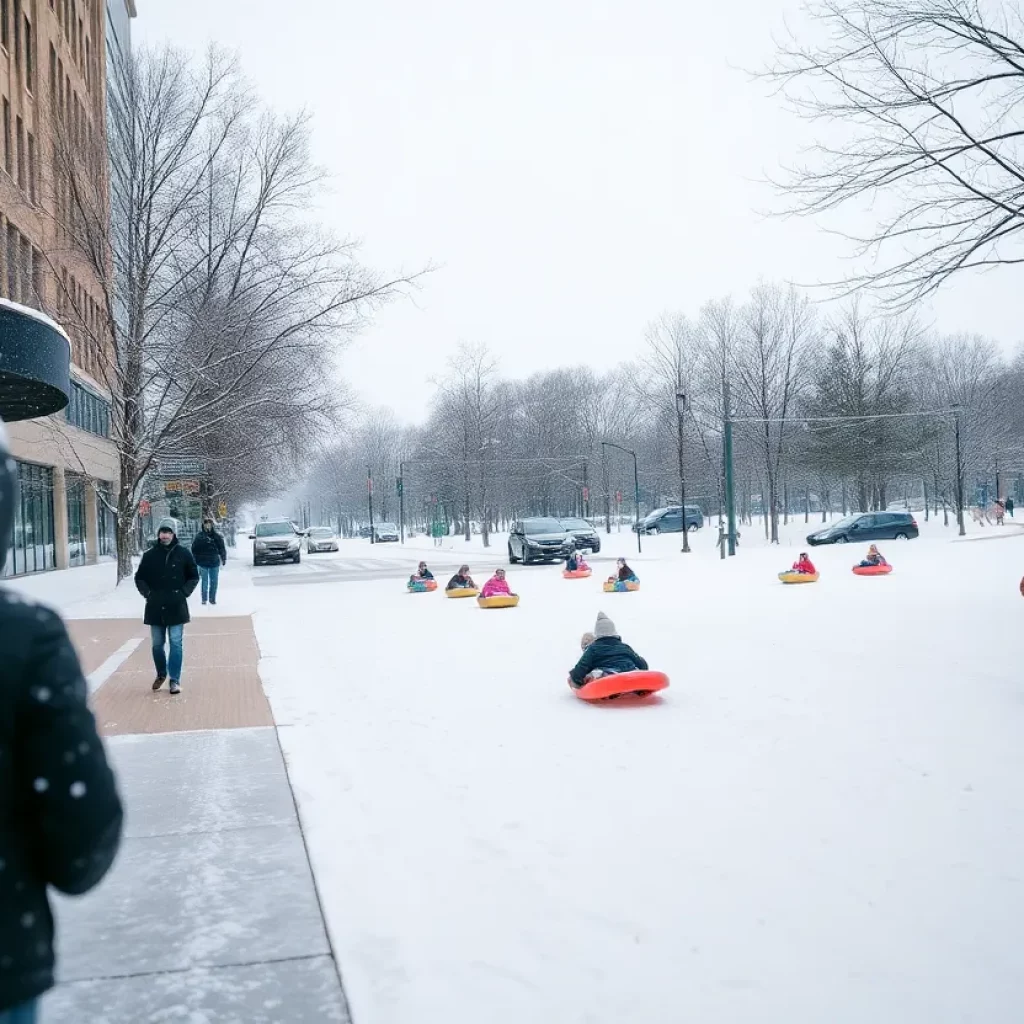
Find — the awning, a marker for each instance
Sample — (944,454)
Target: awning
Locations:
(35,362)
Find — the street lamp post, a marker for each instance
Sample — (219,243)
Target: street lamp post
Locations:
(959,474)
(681,415)
(730,494)
(369,498)
(636,486)
(401,500)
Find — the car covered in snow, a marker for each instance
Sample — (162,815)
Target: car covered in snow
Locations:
(320,538)
(384,533)
(276,541)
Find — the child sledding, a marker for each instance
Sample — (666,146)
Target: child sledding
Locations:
(803,571)
(609,668)
(873,564)
(624,580)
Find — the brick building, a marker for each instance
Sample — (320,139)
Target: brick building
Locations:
(53,86)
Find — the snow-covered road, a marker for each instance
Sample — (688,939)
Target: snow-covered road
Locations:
(822,820)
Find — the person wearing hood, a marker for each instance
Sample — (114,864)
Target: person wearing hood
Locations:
(166,577)
(606,655)
(210,554)
(461,580)
(60,814)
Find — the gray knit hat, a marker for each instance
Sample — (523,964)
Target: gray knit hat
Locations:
(604,626)
(167,523)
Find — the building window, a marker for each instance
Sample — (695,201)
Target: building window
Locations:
(53,76)
(87,411)
(75,487)
(33,549)
(5,32)
(8,154)
(30,60)
(12,262)
(32,167)
(21,153)
(38,286)
(105,518)
(25,272)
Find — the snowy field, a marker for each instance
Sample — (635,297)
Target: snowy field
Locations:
(821,821)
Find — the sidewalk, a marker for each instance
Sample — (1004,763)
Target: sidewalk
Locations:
(210,913)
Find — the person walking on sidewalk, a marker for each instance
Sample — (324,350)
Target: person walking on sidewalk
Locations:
(60,814)
(210,554)
(166,576)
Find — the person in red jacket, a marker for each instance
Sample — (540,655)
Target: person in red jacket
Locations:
(804,564)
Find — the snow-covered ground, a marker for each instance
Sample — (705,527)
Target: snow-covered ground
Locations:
(822,820)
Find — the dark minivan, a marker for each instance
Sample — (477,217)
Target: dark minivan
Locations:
(867,526)
(539,539)
(670,520)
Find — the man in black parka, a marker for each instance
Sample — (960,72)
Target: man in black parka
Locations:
(167,574)
(60,815)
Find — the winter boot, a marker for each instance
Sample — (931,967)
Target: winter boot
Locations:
(158,682)
(175,688)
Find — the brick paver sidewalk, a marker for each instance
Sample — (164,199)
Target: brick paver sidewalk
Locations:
(210,913)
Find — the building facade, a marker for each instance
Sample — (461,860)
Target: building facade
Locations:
(53,88)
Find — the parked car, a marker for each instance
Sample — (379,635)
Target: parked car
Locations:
(670,520)
(276,541)
(539,539)
(385,532)
(321,538)
(867,526)
(583,534)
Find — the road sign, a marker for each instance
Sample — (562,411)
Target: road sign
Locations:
(586,494)
(145,508)
(618,497)
(222,510)
(181,467)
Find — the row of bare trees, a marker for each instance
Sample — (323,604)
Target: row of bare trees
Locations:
(840,412)
(224,302)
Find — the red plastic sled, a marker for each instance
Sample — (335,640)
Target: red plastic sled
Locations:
(872,570)
(623,684)
(576,574)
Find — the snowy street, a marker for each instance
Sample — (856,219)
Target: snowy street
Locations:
(820,821)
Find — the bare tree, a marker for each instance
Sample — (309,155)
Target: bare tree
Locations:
(927,97)
(222,300)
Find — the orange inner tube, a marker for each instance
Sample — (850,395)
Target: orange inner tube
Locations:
(872,570)
(577,574)
(642,684)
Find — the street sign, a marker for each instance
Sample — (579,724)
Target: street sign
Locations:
(586,494)
(618,497)
(222,510)
(173,488)
(181,467)
(145,507)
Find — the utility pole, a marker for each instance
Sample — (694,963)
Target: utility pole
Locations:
(959,474)
(401,500)
(369,497)
(607,493)
(586,491)
(681,415)
(730,495)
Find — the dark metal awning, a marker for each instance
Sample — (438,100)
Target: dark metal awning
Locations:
(35,364)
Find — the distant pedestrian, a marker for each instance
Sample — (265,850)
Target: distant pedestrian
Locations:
(1009,506)
(60,816)
(211,555)
(166,576)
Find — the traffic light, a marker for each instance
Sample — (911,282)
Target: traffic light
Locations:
(398,486)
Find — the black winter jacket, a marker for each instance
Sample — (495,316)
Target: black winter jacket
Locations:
(608,653)
(165,578)
(60,816)
(208,549)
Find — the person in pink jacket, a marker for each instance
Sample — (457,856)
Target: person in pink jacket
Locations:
(496,585)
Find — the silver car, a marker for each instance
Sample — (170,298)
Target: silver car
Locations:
(321,538)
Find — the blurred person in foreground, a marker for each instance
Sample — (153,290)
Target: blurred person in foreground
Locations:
(60,815)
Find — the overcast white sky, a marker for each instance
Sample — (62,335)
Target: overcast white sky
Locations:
(575,166)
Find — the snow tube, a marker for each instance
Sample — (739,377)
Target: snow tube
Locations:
(872,570)
(620,587)
(462,592)
(622,684)
(576,574)
(798,577)
(422,586)
(498,601)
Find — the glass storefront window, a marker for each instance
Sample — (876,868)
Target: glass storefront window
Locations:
(33,549)
(75,487)
(105,519)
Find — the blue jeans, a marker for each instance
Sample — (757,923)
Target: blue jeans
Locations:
(209,574)
(160,636)
(24,1014)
